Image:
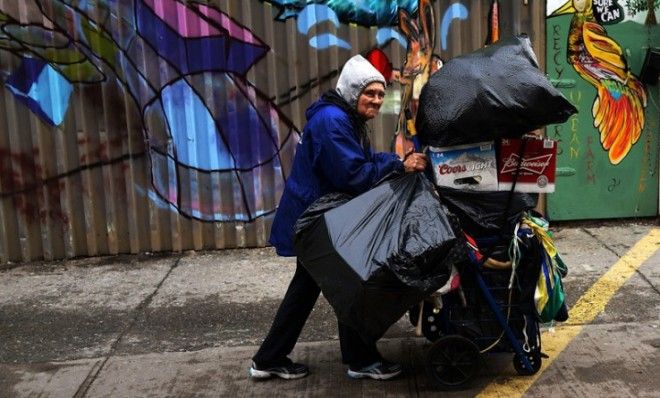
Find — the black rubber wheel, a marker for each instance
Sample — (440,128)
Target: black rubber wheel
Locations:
(452,361)
(534,358)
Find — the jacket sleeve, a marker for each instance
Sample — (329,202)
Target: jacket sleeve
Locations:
(341,160)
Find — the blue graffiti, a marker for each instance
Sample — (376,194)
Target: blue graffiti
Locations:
(42,88)
(384,35)
(362,12)
(193,129)
(315,14)
(327,40)
(206,126)
(455,11)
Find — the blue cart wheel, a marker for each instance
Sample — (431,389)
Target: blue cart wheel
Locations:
(452,361)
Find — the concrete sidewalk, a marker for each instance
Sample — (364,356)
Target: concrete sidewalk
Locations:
(186,325)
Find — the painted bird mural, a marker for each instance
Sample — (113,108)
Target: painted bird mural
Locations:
(618,109)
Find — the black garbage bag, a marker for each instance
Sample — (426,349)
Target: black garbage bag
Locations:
(379,253)
(487,213)
(495,92)
(318,208)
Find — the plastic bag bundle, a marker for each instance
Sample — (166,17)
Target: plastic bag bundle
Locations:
(378,254)
(495,92)
(549,297)
(487,213)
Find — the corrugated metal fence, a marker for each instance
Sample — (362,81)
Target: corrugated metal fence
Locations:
(158,125)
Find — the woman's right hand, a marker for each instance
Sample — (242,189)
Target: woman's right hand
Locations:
(414,161)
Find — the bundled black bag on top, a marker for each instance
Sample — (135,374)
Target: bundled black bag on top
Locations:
(487,213)
(495,92)
(378,254)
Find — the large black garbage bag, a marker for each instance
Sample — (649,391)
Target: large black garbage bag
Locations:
(318,208)
(487,213)
(379,253)
(495,92)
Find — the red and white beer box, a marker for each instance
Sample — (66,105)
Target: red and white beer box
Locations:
(471,167)
(536,169)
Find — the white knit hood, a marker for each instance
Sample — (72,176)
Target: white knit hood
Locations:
(357,74)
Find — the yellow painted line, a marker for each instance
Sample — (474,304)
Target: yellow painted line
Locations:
(583,312)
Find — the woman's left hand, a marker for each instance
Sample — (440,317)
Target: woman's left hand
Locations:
(414,161)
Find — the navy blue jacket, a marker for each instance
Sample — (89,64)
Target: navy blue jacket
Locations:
(329,158)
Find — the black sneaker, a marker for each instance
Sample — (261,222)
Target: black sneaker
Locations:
(289,372)
(378,371)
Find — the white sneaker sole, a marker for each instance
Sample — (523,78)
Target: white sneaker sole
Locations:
(262,374)
(359,375)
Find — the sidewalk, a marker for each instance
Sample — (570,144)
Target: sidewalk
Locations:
(186,325)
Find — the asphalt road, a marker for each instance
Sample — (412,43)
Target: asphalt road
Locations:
(186,325)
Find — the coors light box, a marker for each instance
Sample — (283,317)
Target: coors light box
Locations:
(536,172)
(471,167)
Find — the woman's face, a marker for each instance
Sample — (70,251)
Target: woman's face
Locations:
(370,100)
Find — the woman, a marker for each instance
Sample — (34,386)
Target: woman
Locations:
(334,155)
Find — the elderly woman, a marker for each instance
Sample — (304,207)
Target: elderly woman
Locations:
(334,155)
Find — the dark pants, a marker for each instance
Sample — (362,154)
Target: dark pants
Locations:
(296,306)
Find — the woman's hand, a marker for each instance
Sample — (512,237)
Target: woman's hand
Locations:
(414,162)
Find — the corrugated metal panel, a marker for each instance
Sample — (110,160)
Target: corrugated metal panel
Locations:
(108,170)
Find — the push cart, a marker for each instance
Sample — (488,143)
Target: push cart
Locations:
(492,309)
(483,315)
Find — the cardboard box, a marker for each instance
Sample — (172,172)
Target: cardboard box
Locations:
(471,167)
(536,172)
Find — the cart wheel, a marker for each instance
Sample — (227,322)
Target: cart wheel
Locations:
(452,361)
(534,358)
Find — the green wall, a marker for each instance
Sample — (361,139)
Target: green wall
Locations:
(588,185)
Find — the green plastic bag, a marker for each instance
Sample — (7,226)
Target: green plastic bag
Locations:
(549,295)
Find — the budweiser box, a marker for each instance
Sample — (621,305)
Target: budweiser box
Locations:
(536,172)
(470,166)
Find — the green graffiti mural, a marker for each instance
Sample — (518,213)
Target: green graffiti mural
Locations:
(618,108)
(609,151)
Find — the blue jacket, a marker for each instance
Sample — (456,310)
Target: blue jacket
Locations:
(329,158)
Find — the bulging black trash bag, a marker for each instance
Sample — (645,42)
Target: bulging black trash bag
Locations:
(378,254)
(318,208)
(487,213)
(495,92)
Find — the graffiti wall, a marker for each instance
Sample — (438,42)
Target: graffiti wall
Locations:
(131,126)
(608,152)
